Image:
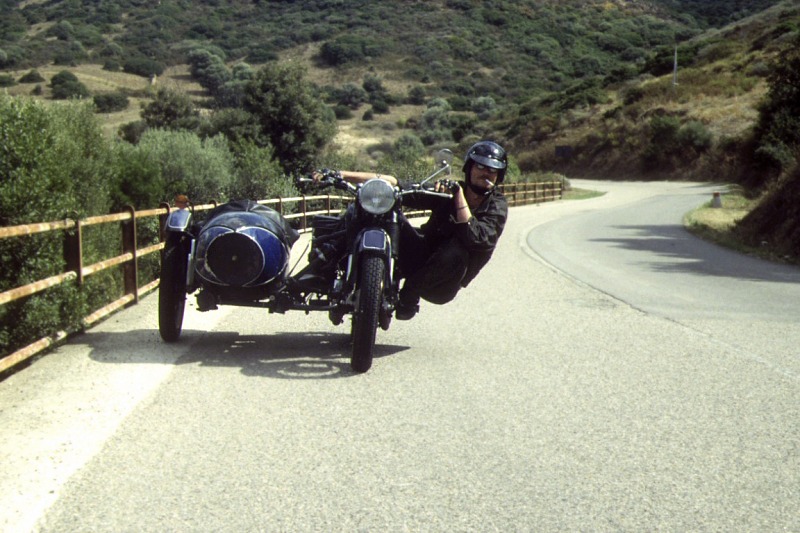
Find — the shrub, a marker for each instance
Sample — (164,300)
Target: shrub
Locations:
(342,112)
(56,162)
(32,76)
(694,136)
(132,131)
(349,95)
(66,85)
(257,174)
(111,65)
(416,95)
(349,49)
(380,107)
(143,66)
(171,109)
(777,133)
(111,102)
(201,169)
(408,146)
(7,80)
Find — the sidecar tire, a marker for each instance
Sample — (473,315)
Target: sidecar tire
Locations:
(172,292)
(365,317)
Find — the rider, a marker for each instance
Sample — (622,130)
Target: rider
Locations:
(459,238)
(449,250)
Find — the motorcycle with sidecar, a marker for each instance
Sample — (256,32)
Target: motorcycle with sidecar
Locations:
(239,255)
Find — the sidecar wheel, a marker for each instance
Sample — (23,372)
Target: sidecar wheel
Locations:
(365,318)
(172,292)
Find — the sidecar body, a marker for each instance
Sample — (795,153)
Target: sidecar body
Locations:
(238,255)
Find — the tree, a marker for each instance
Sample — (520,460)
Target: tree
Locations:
(209,70)
(777,133)
(291,115)
(171,109)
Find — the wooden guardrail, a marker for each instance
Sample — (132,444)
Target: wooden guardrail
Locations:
(306,206)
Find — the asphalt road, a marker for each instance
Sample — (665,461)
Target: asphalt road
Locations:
(606,372)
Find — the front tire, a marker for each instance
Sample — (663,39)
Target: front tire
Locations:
(365,317)
(172,292)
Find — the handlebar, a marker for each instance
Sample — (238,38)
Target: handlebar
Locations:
(333,178)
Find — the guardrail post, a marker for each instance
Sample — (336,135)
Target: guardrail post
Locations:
(73,250)
(130,270)
(162,220)
(303,210)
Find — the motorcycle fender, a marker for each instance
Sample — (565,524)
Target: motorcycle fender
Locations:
(374,242)
(178,221)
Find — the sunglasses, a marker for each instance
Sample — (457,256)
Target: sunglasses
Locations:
(490,170)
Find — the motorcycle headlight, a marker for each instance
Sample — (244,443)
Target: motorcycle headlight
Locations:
(376,196)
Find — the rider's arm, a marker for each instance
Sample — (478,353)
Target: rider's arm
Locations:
(463,212)
(362,177)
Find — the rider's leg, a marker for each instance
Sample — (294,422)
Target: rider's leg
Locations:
(439,279)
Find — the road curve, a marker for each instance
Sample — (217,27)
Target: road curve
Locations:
(541,399)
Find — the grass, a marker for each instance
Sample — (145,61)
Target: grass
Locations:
(100,81)
(718,225)
(581,194)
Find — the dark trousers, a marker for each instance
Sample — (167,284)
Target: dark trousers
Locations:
(433,273)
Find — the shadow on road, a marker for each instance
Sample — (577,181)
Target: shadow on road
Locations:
(690,254)
(295,355)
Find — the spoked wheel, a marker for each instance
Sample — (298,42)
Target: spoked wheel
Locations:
(172,291)
(365,317)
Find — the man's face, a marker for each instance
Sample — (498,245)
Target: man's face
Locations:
(482,176)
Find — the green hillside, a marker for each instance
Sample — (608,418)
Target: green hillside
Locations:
(503,67)
(462,47)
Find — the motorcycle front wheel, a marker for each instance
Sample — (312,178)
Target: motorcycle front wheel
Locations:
(365,317)
(172,292)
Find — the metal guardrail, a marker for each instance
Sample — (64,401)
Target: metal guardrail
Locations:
(516,194)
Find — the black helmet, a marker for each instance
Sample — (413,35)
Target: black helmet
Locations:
(490,154)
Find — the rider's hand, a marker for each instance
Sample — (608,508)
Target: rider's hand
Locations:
(447,186)
(318,175)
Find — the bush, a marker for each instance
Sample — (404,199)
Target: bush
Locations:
(342,112)
(416,95)
(143,66)
(111,102)
(201,169)
(56,163)
(66,85)
(171,109)
(349,49)
(7,80)
(132,131)
(777,133)
(257,174)
(694,136)
(111,65)
(380,107)
(32,76)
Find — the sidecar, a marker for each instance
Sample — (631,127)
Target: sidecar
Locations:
(239,255)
